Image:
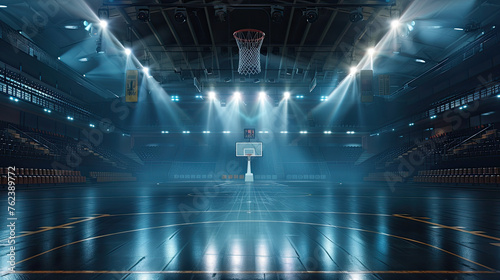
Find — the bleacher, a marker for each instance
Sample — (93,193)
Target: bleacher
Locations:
(12,144)
(112,176)
(156,153)
(485,175)
(35,176)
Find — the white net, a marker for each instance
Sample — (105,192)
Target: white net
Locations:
(249,42)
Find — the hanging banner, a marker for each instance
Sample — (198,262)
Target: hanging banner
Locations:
(131,86)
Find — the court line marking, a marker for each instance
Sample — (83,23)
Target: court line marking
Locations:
(256,211)
(251,272)
(56,227)
(26,233)
(233,194)
(256,221)
(448,227)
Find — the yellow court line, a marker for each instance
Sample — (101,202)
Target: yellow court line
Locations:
(256,221)
(448,227)
(252,272)
(60,226)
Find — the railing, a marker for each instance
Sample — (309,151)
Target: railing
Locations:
(469,138)
(22,133)
(53,147)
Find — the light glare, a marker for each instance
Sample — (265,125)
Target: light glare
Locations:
(262,96)
(103,23)
(395,23)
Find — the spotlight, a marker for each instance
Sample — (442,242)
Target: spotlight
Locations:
(323,98)
(145,70)
(395,23)
(92,125)
(69,118)
(262,96)
(353,70)
(284,132)
(103,23)
(371,51)
(356,15)
(206,132)
(211,95)
(286,95)
(180,15)
(164,132)
(143,14)
(237,95)
(221,12)
(433,117)
(419,60)
(226,131)
(311,15)
(47,110)
(174,98)
(327,132)
(277,14)
(128,51)
(303,132)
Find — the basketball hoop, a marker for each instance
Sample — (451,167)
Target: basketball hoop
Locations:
(249,42)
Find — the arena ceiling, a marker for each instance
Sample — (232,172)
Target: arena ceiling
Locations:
(294,51)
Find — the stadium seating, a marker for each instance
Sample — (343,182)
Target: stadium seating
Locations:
(35,176)
(112,176)
(482,175)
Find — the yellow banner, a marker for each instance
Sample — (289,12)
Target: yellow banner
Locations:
(131,86)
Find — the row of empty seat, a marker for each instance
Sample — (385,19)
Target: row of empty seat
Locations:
(95,174)
(39,172)
(99,176)
(35,176)
(461,171)
(37,180)
(458,179)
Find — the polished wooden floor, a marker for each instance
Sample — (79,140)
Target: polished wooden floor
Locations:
(254,231)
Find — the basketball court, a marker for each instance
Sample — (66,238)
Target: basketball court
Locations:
(266,230)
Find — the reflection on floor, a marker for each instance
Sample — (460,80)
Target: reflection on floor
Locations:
(255,231)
